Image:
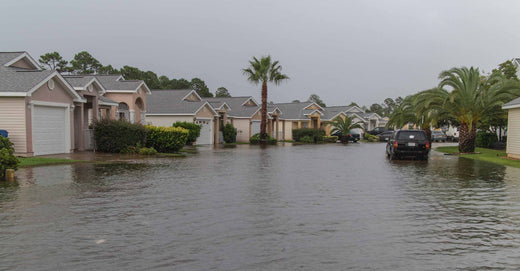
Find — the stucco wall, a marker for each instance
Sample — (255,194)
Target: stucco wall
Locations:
(57,95)
(167,121)
(12,119)
(130,99)
(513,133)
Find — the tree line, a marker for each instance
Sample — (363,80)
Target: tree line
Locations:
(84,63)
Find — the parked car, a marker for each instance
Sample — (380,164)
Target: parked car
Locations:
(385,136)
(352,136)
(438,136)
(408,143)
(378,130)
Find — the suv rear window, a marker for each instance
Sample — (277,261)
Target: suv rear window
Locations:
(411,135)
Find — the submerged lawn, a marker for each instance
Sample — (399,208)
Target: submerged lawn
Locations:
(39,161)
(483,154)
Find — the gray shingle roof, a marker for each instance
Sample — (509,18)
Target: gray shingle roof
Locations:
(106,101)
(294,111)
(79,80)
(110,83)
(8,56)
(236,107)
(170,101)
(20,80)
(514,103)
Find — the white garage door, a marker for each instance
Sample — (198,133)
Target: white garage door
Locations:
(206,132)
(50,130)
(255,127)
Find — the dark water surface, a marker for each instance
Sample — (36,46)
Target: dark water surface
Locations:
(325,207)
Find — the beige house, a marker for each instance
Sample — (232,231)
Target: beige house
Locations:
(513,128)
(36,106)
(243,113)
(166,107)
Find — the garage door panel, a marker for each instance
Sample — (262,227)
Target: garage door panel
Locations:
(50,130)
(206,132)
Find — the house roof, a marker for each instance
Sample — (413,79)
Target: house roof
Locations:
(295,111)
(512,104)
(116,83)
(22,82)
(81,82)
(236,105)
(107,101)
(173,102)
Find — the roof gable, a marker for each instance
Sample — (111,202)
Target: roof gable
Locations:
(23,60)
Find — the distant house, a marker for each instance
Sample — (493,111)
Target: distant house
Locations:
(166,107)
(513,128)
(37,107)
(243,113)
(130,96)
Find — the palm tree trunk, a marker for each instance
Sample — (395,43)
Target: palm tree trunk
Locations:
(467,138)
(263,111)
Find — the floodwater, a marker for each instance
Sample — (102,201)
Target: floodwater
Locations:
(309,207)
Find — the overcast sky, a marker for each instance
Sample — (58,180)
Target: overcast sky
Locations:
(344,51)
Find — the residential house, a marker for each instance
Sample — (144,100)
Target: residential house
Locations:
(513,130)
(243,113)
(95,107)
(166,107)
(130,96)
(36,106)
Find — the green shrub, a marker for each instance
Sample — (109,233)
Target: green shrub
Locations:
(5,143)
(147,151)
(230,133)
(255,139)
(115,135)
(330,139)
(307,139)
(194,130)
(7,161)
(371,138)
(485,139)
(316,135)
(166,139)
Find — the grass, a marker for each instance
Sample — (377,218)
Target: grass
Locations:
(40,161)
(483,154)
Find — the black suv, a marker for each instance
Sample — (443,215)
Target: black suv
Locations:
(408,143)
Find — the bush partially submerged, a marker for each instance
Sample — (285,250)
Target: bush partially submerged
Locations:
(230,133)
(330,139)
(316,135)
(7,158)
(116,135)
(166,139)
(255,139)
(194,130)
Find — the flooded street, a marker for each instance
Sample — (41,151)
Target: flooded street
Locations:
(309,207)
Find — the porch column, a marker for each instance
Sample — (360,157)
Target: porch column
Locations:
(216,131)
(283,130)
(95,109)
(277,128)
(318,122)
(299,124)
(82,128)
(132,116)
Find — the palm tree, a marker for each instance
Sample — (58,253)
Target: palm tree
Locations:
(470,100)
(343,126)
(263,71)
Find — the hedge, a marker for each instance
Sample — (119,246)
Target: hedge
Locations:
(194,130)
(166,139)
(316,135)
(7,158)
(255,139)
(230,133)
(116,135)
(485,139)
(330,139)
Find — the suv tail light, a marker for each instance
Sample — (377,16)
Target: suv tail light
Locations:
(395,144)
(427,145)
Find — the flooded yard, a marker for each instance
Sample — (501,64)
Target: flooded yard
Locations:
(309,207)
